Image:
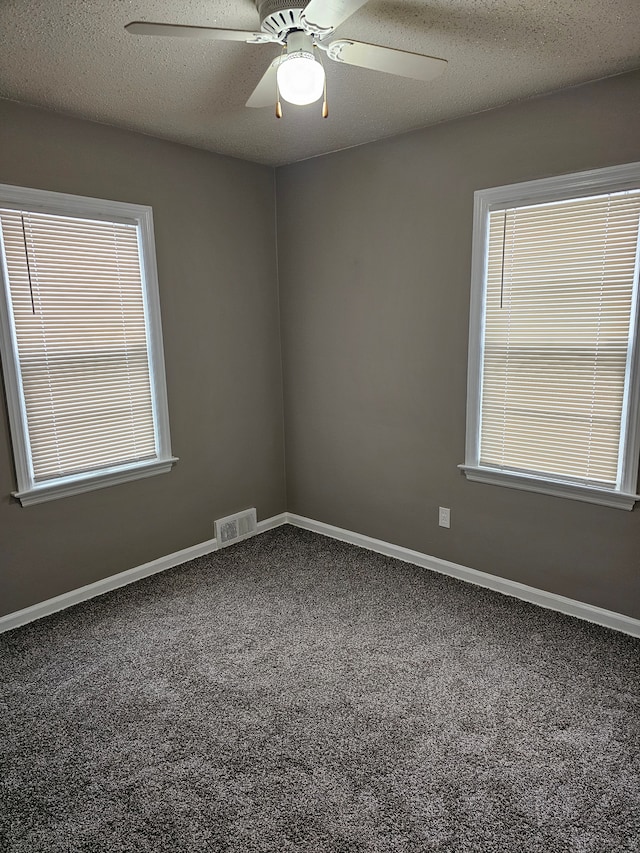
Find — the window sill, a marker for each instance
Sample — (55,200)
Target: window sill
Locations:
(557,488)
(68,486)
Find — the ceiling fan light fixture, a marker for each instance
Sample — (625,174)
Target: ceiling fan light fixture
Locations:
(300,78)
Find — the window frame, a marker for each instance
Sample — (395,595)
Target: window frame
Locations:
(557,188)
(43,201)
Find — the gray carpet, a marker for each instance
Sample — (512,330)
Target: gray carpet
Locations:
(293,693)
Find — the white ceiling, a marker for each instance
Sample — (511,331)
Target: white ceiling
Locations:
(75,57)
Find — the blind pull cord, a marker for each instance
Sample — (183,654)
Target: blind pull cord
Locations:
(26,254)
(504,240)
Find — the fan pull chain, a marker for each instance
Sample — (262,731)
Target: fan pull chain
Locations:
(325,103)
(278,104)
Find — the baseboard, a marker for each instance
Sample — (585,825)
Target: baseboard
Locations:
(579,609)
(588,612)
(75,596)
(274,521)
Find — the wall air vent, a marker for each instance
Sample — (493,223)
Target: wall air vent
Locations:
(235,528)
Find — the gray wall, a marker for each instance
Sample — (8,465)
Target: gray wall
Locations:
(215,239)
(374,258)
(374,266)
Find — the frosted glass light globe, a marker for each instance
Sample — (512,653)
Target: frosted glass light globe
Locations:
(300,78)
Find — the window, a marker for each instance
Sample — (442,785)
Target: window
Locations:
(81,343)
(553,397)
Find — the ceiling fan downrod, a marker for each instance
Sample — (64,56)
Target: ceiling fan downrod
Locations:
(280,17)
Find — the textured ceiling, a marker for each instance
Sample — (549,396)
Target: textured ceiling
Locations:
(75,57)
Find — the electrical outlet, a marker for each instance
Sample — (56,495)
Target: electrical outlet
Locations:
(444,516)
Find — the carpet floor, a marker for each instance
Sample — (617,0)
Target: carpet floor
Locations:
(294,693)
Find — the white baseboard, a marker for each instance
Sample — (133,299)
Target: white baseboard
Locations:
(588,612)
(274,521)
(68,599)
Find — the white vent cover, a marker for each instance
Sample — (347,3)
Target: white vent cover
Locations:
(235,528)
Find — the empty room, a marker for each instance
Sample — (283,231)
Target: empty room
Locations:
(320,426)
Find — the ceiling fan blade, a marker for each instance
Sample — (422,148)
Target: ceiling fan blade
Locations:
(148,28)
(264,95)
(386,59)
(323,16)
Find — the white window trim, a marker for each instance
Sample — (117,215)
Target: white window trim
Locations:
(610,179)
(29,492)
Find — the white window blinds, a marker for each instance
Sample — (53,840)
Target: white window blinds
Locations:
(558,323)
(77,301)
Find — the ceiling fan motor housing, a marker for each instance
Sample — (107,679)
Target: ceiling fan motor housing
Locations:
(279,17)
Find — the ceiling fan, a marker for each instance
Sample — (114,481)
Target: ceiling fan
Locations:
(304,29)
